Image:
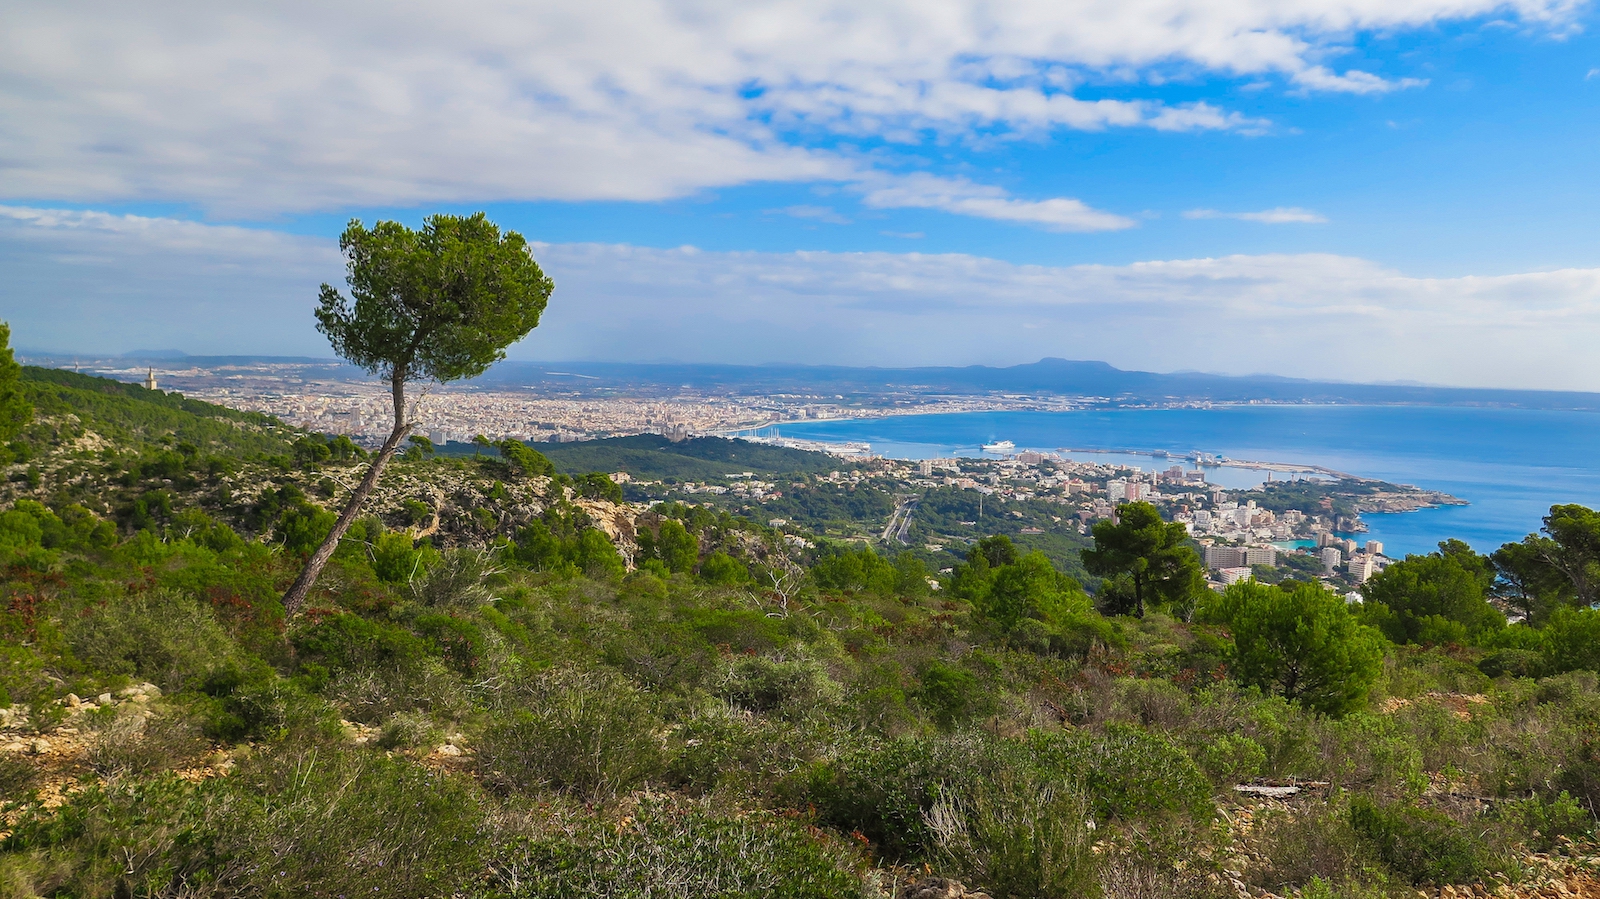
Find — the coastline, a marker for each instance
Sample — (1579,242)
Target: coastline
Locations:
(1368,494)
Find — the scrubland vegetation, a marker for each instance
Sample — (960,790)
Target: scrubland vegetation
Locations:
(542,702)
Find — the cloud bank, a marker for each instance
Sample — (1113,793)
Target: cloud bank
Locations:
(93,282)
(264,109)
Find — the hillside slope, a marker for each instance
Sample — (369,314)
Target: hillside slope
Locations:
(127,416)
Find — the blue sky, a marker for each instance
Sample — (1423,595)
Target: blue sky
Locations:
(1341,188)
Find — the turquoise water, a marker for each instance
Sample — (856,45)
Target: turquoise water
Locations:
(1510,464)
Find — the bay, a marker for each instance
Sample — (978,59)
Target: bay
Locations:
(1511,465)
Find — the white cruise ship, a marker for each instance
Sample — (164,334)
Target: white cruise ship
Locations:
(999,446)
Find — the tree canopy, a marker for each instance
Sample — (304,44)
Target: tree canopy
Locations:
(439,304)
(1559,567)
(1300,641)
(1150,554)
(1441,597)
(15,410)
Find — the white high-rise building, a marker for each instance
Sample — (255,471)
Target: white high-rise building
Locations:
(1221,557)
(1235,575)
(1331,557)
(1360,568)
(1260,555)
(1117,491)
(1374,547)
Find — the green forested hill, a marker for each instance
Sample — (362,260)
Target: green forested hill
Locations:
(651,456)
(131,417)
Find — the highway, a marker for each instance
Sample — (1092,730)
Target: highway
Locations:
(900,522)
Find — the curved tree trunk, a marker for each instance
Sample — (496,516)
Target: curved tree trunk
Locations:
(295,598)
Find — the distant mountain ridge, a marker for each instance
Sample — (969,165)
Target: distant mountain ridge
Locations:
(1060,377)
(1053,376)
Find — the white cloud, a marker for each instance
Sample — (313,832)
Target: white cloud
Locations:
(1281,215)
(1353,81)
(818,213)
(923,191)
(94,282)
(99,283)
(266,108)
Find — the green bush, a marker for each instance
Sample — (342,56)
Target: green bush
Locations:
(395,558)
(159,636)
(253,703)
(592,734)
(1230,758)
(1424,846)
(133,743)
(1299,847)
(1572,640)
(788,687)
(1543,822)
(1128,773)
(671,853)
(721,568)
(595,556)
(1513,663)
(1016,838)
(887,791)
(950,693)
(18,777)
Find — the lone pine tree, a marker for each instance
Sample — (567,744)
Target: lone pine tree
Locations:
(440,304)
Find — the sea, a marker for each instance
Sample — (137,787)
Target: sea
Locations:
(1510,465)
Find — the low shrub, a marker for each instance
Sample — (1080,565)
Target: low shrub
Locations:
(340,823)
(374,695)
(1513,663)
(1129,774)
(790,688)
(1230,758)
(159,636)
(1016,838)
(18,778)
(592,734)
(315,823)
(457,580)
(668,852)
(139,743)
(1299,847)
(886,791)
(255,704)
(409,730)
(722,749)
(1424,846)
(1542,822)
